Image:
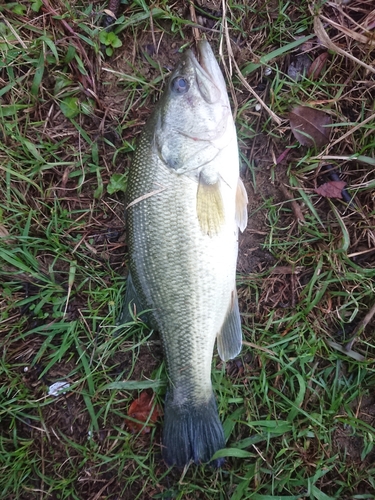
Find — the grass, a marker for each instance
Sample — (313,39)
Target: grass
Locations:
(297,406)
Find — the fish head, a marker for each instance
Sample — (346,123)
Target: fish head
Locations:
(193,117)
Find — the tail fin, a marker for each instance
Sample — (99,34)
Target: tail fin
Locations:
(192,432)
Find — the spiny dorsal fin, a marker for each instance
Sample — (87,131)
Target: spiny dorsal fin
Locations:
(241,206)
(210,208)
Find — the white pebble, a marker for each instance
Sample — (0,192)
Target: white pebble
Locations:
(56,388)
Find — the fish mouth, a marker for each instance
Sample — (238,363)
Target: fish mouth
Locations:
(203,55)
(210,65)
(208,74)
(206,57)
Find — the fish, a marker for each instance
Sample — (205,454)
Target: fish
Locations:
(185,205)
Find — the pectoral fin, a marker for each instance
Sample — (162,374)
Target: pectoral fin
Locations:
(229,339)
(210,208)
(241,206)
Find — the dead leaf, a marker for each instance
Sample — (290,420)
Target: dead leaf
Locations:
(317,66)
(3,231)
(140,409)
(309,126)
(4,235)
(295,206)
(282,157)
(331,189)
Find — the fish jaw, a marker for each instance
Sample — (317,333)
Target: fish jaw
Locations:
(208,62)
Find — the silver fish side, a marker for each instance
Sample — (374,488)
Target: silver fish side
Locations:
(185,203)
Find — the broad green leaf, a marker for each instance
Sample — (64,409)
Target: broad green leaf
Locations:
(38,75)
(70,107)
(36,5)
(117,182)
(251,67)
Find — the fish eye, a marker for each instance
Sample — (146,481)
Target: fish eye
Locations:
(180,85)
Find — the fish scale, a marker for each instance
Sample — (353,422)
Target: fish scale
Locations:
(154,256)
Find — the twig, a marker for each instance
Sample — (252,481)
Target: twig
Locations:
(327,42)
(258,347)
(238,71)
(349,133)
(360,327)
(145,196)
(14,32)
(295,206)
(194,27)
(100,492)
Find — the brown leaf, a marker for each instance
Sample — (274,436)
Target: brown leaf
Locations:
(4,235)
(140,409)
(3,231)
(331,189)
(317,66)
(309,126)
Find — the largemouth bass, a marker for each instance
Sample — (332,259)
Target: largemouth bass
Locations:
(185,203)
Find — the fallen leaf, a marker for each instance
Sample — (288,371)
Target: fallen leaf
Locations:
(282,157)
(141,409)
(331,189)
(317,66)
(3,232)
(4,235)
(309,126)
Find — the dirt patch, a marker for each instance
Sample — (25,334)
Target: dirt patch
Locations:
(351,446)
(148,359)
(252,257)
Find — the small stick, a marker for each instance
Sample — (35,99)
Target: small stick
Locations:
(238,71)
(72,273)
(327,42)
(360,327)
(193,16)
(295,206)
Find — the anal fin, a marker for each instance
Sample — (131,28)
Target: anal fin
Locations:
(229,339)
(132,304)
